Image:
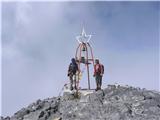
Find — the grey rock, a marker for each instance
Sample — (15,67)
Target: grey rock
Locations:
(112,103)
(1,118)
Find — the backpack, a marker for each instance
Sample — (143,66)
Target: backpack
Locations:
(73,67)
(102,69)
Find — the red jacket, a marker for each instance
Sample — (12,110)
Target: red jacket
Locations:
(98,69)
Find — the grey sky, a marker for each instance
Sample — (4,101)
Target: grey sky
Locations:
(38,41)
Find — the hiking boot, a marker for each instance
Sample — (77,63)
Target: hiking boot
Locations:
(99,88)
(96,89)
(71,88)
(75,88)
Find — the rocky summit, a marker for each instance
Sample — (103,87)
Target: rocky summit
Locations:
(112,103)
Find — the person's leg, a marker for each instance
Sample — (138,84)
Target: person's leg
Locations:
(96,78)
(98,85)
(100,80)
(71,82)
(75,82)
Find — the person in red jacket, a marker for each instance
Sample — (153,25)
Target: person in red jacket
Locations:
(98,74)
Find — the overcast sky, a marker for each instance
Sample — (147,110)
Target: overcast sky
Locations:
(38,41)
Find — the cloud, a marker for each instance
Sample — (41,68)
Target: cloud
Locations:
(38,41)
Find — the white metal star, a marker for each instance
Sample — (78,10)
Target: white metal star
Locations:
(83,38)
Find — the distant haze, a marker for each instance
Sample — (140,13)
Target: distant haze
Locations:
(38,42)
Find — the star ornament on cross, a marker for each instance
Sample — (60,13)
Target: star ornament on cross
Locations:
(83,38)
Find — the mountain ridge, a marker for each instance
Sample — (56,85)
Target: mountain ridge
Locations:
(115,102)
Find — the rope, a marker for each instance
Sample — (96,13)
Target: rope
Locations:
(79,76)
(63,89)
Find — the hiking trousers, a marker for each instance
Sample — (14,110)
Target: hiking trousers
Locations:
(98,81)
(72,82)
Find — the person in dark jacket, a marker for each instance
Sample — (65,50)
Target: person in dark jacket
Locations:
(98,74)
(72,69)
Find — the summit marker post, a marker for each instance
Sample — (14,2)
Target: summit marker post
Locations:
(84,54)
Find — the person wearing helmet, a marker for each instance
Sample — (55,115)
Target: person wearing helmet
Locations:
(72,69)
(98,74)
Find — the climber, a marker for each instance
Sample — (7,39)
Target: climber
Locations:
(72,69)
(98,74)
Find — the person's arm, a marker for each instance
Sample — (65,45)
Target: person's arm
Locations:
(94,71)
(69,70)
